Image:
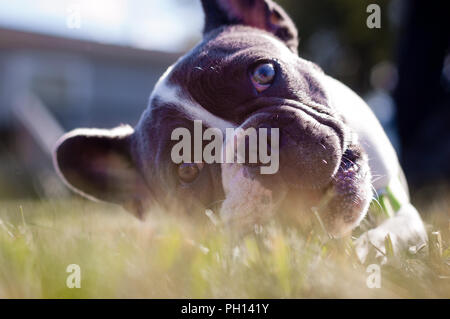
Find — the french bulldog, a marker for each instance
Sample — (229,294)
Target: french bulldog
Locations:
(334,157)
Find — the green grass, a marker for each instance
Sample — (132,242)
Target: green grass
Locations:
(174,257)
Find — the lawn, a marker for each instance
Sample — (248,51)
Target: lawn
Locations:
(186,257)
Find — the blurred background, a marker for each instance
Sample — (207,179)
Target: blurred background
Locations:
(67,64)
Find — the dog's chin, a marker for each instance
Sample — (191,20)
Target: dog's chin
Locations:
(339,206)
(345,201)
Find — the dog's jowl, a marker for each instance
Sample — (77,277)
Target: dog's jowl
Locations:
(321,147)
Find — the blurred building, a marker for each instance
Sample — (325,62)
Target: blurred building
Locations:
(51,84)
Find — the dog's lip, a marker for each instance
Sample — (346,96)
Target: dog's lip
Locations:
(350,188)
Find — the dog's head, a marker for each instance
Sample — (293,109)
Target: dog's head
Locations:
(246,73)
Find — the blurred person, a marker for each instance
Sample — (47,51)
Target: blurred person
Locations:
(422,93)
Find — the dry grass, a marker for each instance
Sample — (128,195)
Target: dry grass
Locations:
(169,257)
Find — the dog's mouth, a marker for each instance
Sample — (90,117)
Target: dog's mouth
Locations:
(338,207)
(344,202)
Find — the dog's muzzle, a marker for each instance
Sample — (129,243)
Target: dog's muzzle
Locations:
(310,147)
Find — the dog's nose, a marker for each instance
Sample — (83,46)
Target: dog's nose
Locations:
(310,150)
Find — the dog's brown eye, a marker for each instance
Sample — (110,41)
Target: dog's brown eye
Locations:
(188,172)
(262,76)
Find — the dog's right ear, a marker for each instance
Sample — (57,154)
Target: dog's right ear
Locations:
(97,164)
(261,14)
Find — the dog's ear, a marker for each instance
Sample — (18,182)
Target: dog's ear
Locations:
(262,14)
(98,164)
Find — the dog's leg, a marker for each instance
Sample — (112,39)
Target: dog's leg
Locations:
(405,229)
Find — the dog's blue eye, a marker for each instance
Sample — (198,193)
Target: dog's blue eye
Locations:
(262,76)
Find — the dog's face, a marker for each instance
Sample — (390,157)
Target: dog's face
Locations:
(244,74)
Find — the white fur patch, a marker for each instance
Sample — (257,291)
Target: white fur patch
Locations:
(119,131)
(247,202)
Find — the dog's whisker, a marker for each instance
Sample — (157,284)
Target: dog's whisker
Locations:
(374,190)
(374,199)
(377,178)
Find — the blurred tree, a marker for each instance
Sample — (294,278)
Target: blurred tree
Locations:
(334,34)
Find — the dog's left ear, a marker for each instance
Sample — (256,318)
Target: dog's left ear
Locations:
(98,164)
(262,14)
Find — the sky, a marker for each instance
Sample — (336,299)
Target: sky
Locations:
(168,25)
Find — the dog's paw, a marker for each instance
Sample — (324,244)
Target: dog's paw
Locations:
(393,236)
(372,246)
